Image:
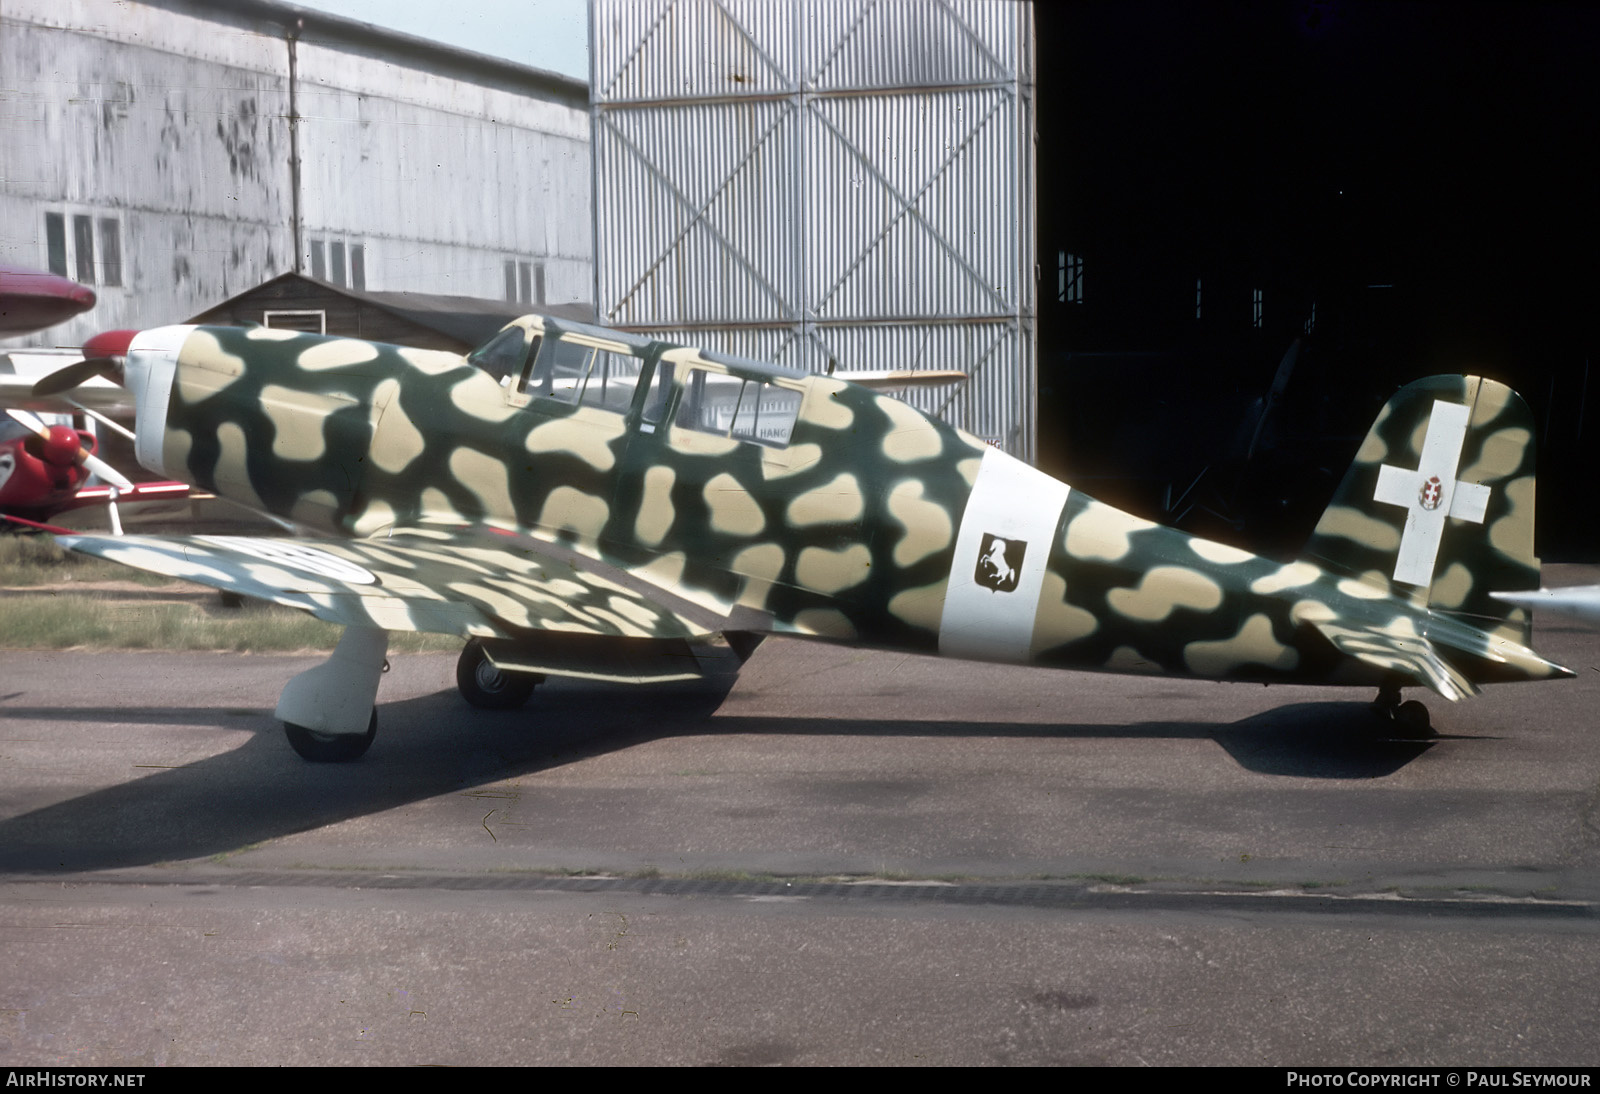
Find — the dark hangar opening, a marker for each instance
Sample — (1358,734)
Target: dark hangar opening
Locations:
(1406,188)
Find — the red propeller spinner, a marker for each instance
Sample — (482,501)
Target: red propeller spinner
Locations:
(109,343)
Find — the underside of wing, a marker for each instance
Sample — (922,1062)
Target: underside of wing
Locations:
(469,589)
(1408,655)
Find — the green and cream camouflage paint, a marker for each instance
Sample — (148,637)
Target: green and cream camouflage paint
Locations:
(573,481)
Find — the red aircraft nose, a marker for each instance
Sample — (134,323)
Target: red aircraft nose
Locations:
(109,343)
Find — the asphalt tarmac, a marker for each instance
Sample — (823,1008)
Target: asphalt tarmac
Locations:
(849,857)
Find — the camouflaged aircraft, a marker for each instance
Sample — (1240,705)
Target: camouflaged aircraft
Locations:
(576,501)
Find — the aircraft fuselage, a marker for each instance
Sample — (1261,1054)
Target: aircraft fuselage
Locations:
(794,502)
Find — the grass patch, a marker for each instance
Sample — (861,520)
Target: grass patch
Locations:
(73,621)
(27,560)
(103,620)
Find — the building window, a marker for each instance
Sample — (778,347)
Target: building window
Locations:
(336,262)
(83,248)
(110,252)
(1255,308)
(73,254)
(1069,277)
(1197,298)
(311,322)
(524,281)
(55,241)
(339,261)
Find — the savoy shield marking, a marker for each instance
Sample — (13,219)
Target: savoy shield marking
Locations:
(1432,491)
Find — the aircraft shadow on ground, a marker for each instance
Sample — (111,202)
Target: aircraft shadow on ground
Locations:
(435,745)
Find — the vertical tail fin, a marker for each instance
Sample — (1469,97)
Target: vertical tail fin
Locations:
(1439,501)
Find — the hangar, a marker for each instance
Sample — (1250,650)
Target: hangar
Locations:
(174,153)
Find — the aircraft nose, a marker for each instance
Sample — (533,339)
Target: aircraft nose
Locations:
(151,364)
(109,343)
(144,362)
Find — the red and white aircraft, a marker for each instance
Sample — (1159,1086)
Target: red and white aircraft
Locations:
(44,468)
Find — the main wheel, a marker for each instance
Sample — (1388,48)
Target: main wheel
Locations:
(487,687)
(331,748)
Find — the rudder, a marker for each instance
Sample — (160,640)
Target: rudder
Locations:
(1439,502)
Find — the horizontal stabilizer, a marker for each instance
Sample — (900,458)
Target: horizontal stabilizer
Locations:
(1405,655)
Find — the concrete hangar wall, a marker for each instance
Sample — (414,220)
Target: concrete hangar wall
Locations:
(819,181)
(174,153)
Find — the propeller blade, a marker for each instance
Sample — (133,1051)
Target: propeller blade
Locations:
(65,379)
(103,420)
(110,474)
(29,420)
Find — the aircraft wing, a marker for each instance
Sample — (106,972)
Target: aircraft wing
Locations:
(433,582)
(1405,654)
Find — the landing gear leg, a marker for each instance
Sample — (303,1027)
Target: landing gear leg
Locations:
(1410,717)
(327,711)
(1388,700)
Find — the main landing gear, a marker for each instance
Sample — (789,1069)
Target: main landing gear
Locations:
(328,712)
(1410,718)
(488,687)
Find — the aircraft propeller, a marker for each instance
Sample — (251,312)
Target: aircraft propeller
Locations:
(103,355)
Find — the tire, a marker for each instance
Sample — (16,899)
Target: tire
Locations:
(487,687)
(331,748)
(1412,718)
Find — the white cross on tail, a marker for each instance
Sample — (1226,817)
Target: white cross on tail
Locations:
(1431,493)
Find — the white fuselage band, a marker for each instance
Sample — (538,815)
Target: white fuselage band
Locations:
(1002,549)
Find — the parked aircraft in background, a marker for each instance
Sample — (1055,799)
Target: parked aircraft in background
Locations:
(32,300)
(1579,601)
(45,466)
(44,471)
(573,500)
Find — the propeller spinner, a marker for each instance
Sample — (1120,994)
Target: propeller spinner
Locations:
(103,355)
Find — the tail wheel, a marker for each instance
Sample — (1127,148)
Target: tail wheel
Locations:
(331,748)
(1412,717)
(488,687)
